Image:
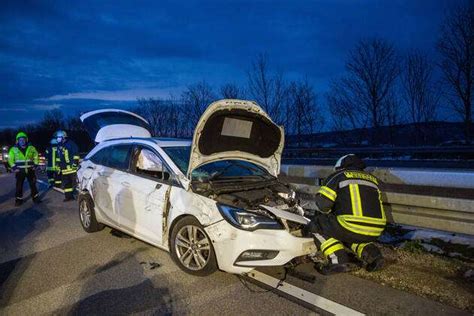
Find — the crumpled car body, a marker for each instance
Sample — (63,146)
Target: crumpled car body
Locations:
(225,179)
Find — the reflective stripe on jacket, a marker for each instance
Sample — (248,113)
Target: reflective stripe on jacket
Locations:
(51,158)
(23,159)
(67,158)
(354,197)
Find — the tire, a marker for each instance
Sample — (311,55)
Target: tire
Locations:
(193,257)
(87,214)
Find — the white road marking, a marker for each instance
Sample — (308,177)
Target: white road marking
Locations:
(301,294)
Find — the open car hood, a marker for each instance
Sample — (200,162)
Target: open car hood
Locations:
(102,125)
(237,130)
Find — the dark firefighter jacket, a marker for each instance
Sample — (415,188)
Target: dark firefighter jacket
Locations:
(354,197)
(52,158)
(67,157)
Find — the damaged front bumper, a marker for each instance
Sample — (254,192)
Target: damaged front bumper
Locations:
(235,248)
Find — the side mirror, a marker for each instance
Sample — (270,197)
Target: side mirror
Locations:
(148,161)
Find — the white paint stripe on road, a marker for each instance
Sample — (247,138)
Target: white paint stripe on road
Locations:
(47,184)
(301,294)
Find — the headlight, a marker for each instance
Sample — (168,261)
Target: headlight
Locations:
(248,220)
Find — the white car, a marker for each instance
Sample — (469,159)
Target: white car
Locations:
(213,203)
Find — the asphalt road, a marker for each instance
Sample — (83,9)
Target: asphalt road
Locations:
(49,265)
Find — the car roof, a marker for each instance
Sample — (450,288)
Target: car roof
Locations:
(160,141)
(171,142)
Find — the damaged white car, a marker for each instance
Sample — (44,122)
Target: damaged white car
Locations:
(213,203)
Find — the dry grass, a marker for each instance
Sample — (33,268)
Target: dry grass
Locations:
(428,275)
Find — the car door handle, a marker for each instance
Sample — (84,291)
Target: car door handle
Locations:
(158,186)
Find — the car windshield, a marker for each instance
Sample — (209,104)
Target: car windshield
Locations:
(180,156)
(229,169)
(215,170)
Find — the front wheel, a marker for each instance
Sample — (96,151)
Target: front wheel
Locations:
(191,248)
(87,214)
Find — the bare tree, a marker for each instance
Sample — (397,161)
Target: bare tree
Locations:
(363,95)
(301,113)
(418,88)
(268,90)
(231,91)
(195,99)
(53,120)
(162,115)
(419,92)
(346,113)
(73,123)
(456,45)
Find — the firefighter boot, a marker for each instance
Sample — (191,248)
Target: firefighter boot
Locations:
(36,199)
(338,258)
(373,257)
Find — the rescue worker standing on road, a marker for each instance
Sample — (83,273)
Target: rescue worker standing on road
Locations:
(52,168)
(23,158)
(350,215)
(67,155)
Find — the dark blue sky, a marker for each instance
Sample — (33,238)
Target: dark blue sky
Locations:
(79,55)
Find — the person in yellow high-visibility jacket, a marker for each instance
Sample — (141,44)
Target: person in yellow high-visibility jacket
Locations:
(23,159)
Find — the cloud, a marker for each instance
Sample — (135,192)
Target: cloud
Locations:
(46,107)
(118,95)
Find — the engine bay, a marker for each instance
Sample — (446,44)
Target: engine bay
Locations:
(250,195)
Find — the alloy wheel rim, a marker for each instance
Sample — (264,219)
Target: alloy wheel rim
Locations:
(85,214)
(192,247)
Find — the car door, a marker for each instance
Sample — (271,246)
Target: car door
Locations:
(144,195)
(111,164)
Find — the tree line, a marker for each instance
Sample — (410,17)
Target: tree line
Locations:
(379,87)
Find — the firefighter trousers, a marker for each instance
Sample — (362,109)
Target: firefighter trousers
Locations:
(68,181)
(54,178)
(333,241)
(20,176)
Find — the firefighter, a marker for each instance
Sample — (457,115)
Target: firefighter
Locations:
(52,168)
(67,158)
(23,159)
(351,216)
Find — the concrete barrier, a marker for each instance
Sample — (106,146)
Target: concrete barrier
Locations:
(442,213)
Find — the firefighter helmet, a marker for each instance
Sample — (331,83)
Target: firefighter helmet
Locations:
(349,161)
(60,133)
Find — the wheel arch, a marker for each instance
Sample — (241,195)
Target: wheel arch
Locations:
(173,224)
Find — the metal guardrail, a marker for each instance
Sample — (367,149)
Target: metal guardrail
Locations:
(409,150)
(434,156)
(428,211)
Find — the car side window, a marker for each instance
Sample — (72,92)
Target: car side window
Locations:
(147,163)
(117,157)
(100,157)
